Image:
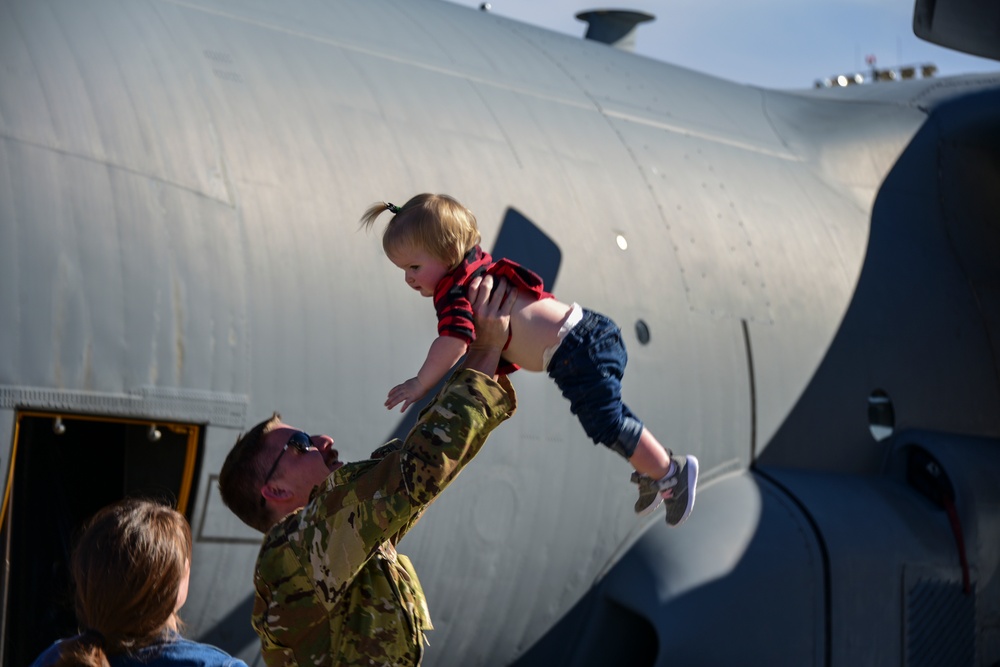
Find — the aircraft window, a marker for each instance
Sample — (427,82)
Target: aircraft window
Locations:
(642,331)
(66,467)
(881,415)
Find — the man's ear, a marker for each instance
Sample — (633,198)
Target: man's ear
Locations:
(274,492)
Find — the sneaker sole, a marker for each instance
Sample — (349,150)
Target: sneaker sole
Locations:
(692,474)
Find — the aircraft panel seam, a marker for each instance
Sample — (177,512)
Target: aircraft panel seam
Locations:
(593,106)
(706,136)
(112,165)
(385,56)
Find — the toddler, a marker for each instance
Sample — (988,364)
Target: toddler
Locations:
(435,241)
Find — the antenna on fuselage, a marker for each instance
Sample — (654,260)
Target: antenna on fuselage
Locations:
(614,26)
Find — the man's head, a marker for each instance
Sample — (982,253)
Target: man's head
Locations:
(272,469)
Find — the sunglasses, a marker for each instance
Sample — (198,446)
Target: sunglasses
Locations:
(299,440)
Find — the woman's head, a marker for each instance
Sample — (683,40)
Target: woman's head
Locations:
(131,567)
(437,224)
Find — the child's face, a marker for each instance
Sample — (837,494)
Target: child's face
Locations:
(423,271)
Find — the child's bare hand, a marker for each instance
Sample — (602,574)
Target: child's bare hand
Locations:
(407,393)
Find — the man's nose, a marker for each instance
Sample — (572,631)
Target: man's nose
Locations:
(322,442)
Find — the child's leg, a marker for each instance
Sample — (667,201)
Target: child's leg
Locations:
(588,367)
(662,476)
(650,458)
(652,464)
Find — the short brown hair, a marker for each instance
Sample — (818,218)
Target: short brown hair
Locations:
(242,476)
(438,224)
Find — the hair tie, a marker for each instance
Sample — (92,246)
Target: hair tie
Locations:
(392,207)
(92,637)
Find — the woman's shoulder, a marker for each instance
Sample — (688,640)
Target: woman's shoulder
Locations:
(49,655)
(175,651)
(181,651)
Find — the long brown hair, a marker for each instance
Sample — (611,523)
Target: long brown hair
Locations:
(127,566)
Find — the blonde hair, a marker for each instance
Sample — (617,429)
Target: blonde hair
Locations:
(438,224)
(127,567)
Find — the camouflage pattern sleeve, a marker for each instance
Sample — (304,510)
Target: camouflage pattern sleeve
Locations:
(452,429)
(390,495)
(473,386)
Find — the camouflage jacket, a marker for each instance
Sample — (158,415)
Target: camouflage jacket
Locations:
(330,587)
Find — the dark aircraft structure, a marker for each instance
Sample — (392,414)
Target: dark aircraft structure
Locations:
(808,283)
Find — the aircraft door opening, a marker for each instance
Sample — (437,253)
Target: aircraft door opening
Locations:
(64,468)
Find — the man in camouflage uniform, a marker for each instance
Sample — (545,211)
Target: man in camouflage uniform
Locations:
(330,587)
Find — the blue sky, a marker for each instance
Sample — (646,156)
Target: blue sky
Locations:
(772,43)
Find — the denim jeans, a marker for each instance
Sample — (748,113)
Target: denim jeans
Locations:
(588,369)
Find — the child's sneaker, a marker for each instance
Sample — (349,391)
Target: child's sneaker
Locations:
(649,494)
(678,489)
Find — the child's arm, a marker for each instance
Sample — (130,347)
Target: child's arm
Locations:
(444,353)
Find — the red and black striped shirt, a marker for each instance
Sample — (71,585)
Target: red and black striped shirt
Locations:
(451,296)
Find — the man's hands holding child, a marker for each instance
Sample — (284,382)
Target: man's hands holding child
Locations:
(491,308)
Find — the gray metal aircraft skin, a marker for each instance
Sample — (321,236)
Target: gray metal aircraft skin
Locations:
(796,274)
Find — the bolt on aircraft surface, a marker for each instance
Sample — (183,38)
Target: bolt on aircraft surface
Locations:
(808,283)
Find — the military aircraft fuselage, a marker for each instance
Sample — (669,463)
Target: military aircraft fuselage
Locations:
(806,282)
